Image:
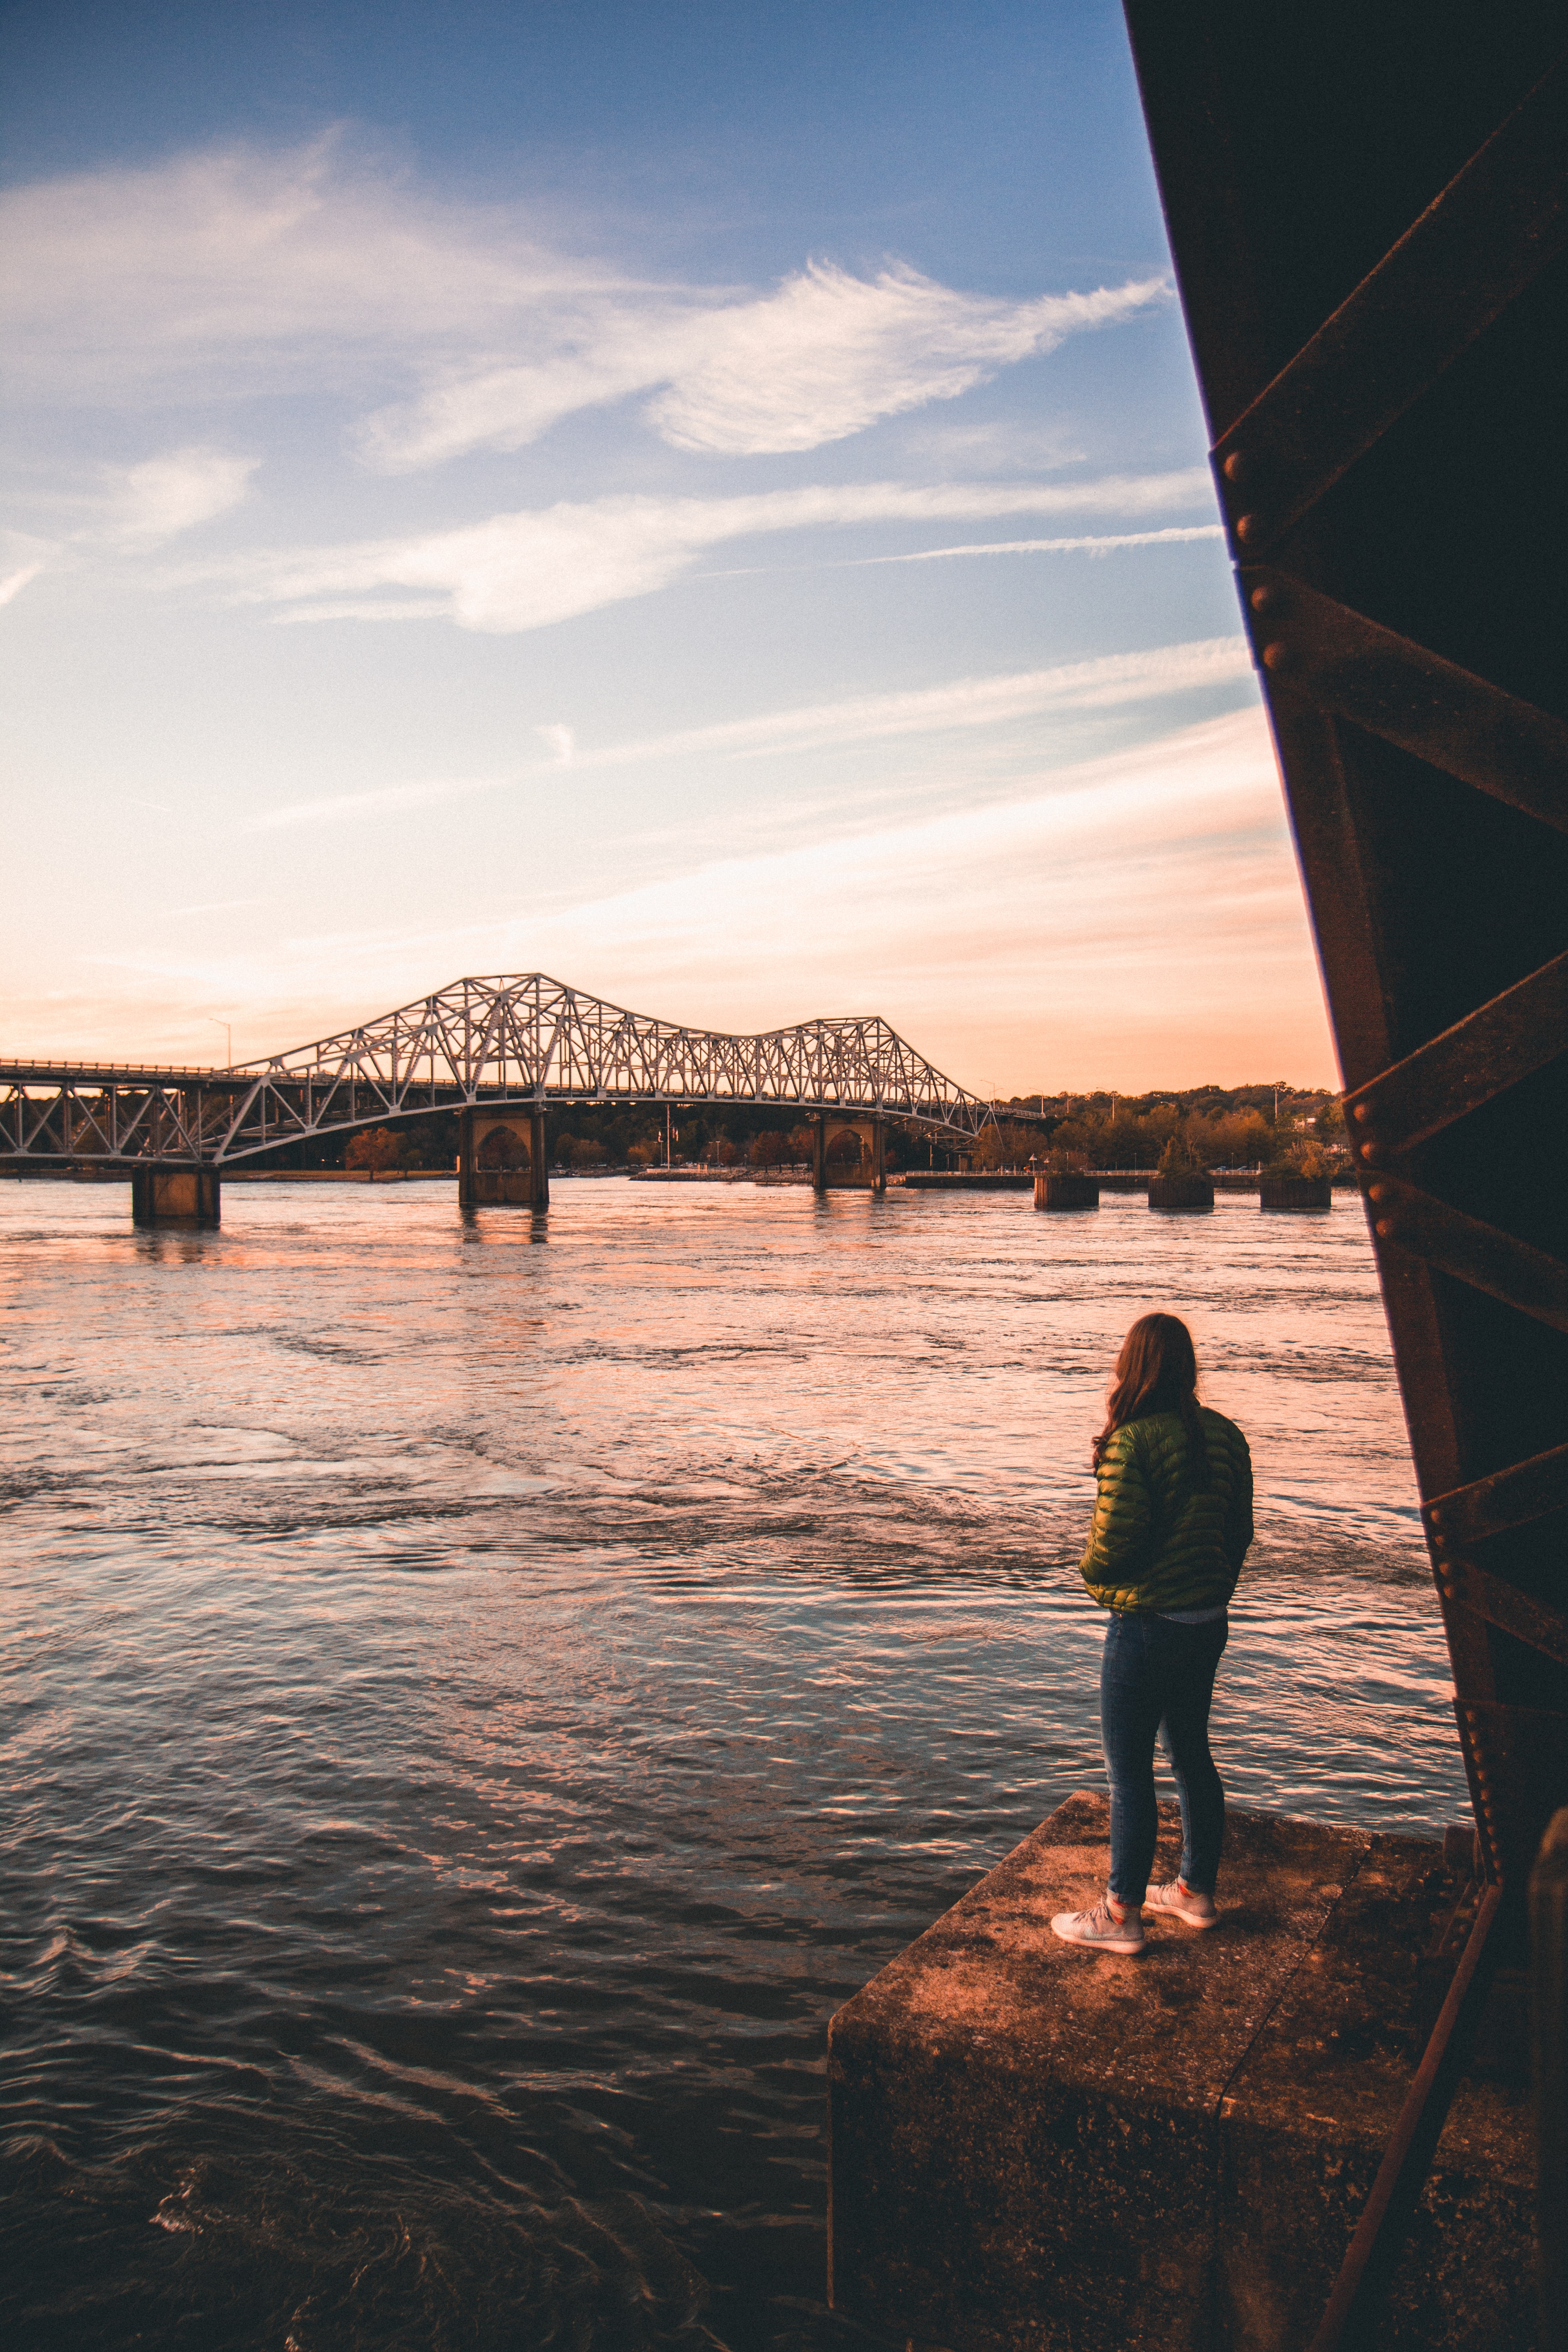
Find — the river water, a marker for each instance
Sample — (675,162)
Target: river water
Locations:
(479,1695)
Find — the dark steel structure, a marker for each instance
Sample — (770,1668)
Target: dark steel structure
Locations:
(1368,209)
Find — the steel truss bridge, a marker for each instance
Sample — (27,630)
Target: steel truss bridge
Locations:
(525,1040)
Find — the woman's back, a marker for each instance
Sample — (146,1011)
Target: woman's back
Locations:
(1163,1539)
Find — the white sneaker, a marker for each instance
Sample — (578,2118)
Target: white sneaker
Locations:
(1101,1929)
(1178,1901)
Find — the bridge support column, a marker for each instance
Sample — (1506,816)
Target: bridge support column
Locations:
(820,1154)
(538,1163)
(465,1160)
(489,1173)
(867,1171)
(174,1196)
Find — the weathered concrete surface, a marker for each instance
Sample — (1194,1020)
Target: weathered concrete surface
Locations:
(1306,2120)
(1038,2147)
(1180,1193)
(176,1196)
(1065,1193)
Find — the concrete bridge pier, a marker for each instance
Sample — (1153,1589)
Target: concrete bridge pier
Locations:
(869,1170)
(502,1159)
(174,1196)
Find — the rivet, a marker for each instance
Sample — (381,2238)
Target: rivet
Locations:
(1265,597)
(1386,1230)
(1361,1111)
(1369,1151)
(1235,466)
(1377,1192)
(1276,656)
(1249,528)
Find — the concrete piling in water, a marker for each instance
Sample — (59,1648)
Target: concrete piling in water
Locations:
(1065,1193)
(1181,1192)
(871,1172)
(1295,1193)
(174,1196)
(501,1158)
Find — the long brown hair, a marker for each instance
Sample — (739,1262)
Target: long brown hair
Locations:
(1157,1371)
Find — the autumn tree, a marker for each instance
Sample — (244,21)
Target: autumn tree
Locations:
(376,1149)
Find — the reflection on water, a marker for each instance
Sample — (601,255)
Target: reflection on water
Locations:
(479,1698)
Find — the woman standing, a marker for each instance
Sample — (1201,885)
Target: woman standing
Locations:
(1173,1520)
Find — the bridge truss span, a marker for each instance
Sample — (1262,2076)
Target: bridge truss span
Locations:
(525,1040)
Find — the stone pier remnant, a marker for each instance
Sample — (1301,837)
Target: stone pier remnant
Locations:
(1295,1193)
(1181,1192)
(834,1168)
(174,1196)
(501,1158)
(1035,2148)
(1067,1192)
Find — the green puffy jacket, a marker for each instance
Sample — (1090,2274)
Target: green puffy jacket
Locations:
(1159,1540)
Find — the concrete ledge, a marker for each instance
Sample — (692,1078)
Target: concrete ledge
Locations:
(1039,2150)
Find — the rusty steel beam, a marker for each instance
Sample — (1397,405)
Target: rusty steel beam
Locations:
(1409,2150)
(1516,1752)
(1501,1043)
(1515,1498)
(1532,1621)
(1493,230)
(1471,1250)
(1343,662)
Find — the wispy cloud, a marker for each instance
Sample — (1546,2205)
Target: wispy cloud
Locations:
(241,270)
(524,571)
(245,270)
(562,741)
(1191,957)
(212,905)
(822,356)
(828,354)
(340,808)
(163,496)
(1191,961)
(1105,544)
(14,582)
(964,702)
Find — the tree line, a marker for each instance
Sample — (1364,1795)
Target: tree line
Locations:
(1205,1127)
(1278,1126)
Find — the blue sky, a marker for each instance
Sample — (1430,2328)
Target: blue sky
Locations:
(708,501)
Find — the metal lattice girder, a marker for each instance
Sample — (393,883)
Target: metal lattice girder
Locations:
(524,1039)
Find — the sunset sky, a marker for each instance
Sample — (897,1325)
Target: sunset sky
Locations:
(708,501)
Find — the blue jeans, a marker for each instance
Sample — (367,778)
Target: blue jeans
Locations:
(1157,1677)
